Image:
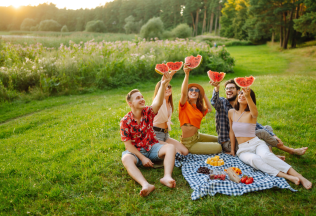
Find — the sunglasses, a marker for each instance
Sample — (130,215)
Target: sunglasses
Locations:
(169,86)
(194,90)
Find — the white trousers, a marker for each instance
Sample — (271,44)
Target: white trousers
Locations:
(256,153)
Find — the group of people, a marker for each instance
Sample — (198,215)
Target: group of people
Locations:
(144,131)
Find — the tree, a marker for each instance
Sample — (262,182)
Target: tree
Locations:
(64,29)
(182,31)
(131,25)
(27,24)
(95,26)
(49,25)
(307,22)
(153,28)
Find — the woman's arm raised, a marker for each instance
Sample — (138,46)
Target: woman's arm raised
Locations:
(184,88)
(252,106)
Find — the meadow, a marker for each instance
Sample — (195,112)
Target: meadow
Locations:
(61,155)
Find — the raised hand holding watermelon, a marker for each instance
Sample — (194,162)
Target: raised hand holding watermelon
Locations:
(161,68)
(193,62)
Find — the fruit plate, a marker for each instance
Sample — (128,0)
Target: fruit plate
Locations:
(212,165)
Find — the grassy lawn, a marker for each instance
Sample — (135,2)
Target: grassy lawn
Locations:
(62,155)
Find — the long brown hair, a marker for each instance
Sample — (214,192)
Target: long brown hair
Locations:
(253,97)
(200,103)
(156,92)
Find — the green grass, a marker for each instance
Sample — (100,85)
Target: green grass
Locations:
(61,155)
(54,39)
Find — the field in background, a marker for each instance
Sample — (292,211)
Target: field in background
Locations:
(62,155)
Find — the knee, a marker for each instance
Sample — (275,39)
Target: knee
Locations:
(128,159)
(266,156)
(170,148)
(185,152)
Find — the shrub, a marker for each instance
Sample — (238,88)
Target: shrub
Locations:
(34,28)
(95,26)
(182,31)
(64,29)
(153,28)
(131,26)
(167,35)
(49,25)
(27,24)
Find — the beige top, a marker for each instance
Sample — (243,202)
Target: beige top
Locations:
(163,115)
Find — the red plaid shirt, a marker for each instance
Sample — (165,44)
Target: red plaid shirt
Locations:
(142,134)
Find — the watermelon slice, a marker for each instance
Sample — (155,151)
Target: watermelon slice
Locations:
(244,82)
(215,76)
(161,68)
(193,62)
(175,66)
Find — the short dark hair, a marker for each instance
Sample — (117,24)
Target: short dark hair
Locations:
(232,81)
(129,95)
(253,97)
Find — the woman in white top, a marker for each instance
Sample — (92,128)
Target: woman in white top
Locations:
(162,121)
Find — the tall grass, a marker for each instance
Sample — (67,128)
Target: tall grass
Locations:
(101,65)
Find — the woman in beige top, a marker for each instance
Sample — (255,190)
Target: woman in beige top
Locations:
(162,121)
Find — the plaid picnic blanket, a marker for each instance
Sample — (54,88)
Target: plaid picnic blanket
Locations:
(203,185)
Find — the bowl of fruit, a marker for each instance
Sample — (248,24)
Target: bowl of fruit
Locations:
(215,161)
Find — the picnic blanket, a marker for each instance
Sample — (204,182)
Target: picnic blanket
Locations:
(203,185)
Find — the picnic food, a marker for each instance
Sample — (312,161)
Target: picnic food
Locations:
(193,62)
(161,68)
(237,170)
(232,175)
(203,170)
(216,76)
(215,161)
(246,180)
(175,66)
(218,176)
(244,82)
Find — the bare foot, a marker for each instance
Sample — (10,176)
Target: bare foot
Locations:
(281,157)
(307,184)
(146,190)
(294,179)
(300,151)
(168,181)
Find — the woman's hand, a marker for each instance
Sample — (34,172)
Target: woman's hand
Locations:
(246,92)
(166,78)
(186,69)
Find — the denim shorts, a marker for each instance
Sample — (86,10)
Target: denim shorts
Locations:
(152,154)
(161,136)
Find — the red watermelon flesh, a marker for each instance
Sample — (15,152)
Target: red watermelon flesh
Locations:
(161,68)
(216,76)
(174,66)
(193,62)
(244,82)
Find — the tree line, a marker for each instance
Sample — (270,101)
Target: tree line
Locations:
(287,21)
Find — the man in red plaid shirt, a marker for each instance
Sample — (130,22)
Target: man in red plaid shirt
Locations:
(142,146)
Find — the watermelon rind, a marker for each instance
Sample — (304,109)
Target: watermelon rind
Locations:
(245,79)
(185,60)
(159,71)
(179,68)
(220,73)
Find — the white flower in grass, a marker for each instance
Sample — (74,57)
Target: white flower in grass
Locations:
(142,57)
(34,67)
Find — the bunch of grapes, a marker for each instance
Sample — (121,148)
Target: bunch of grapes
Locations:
(203,170)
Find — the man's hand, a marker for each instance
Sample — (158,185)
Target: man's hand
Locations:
(147,162)
(186,69)
(280,143)
(216,85)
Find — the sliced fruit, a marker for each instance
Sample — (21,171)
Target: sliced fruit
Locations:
(161,68)
(216,76)
(193,62)
(244,82)
(175,66)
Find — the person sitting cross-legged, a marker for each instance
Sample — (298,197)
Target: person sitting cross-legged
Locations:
(142,146)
